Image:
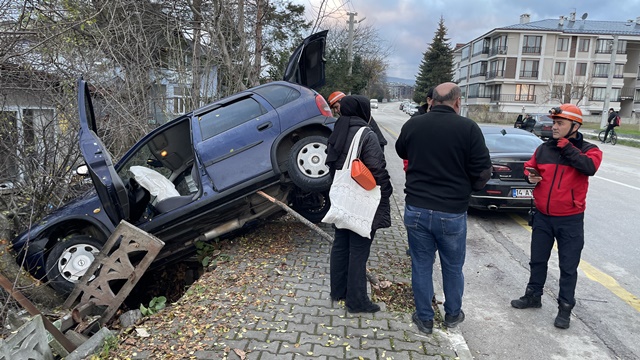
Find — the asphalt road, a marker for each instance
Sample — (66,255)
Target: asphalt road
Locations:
(606,320)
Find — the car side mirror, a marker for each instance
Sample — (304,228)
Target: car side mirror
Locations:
(82,170)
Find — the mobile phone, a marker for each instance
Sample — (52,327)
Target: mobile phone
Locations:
(533,171)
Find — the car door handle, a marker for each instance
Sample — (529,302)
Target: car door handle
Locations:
(264,126)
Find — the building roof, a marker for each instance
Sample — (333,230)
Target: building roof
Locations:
(629,27)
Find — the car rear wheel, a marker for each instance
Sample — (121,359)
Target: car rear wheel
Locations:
(312,206)
(69,260)
(307,167)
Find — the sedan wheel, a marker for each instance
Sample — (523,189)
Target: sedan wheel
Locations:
(307,167)
(69,260)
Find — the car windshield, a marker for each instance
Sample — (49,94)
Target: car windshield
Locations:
(511,143)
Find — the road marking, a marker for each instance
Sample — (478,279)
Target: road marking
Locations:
(617,182)
(594,274)
(392,133)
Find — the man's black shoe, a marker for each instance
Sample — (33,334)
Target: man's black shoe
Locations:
(451,321)
(527,301)
(424,326)
(371,308)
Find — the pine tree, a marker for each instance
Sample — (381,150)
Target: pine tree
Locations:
(437,64)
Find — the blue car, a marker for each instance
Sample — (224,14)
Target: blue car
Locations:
(196,177)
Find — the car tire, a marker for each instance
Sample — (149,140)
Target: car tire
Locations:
(312,206)
(307,167)
(69,259)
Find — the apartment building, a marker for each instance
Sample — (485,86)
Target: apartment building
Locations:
(534,65)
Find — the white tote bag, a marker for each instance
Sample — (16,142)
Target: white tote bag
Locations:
(352,207)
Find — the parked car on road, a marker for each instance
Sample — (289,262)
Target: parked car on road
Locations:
(541,128)
(374,103)
(507,189)
(195,178)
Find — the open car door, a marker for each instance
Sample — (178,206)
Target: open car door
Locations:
(306,64)
(111,191)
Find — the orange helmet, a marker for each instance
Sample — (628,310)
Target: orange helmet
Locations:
(567,111)
(335,97)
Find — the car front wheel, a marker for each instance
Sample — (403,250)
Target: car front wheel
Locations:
(307,167)
(69,260)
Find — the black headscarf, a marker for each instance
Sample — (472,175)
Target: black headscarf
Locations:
(355,110)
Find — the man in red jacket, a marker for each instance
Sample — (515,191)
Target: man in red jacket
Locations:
(560,168)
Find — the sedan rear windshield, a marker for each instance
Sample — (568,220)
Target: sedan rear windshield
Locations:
(511,143)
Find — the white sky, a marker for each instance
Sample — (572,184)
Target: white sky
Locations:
(408,26)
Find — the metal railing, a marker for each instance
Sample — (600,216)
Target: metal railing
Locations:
(531,49)
(495,74)
(498,50)
(513,98)
(529,74)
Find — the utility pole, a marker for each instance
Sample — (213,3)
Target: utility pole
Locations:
(351,22)
(607,93)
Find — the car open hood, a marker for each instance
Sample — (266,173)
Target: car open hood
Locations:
(306,64)
(111,191)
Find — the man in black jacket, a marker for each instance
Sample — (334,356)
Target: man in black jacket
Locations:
(442,173)
(610,124)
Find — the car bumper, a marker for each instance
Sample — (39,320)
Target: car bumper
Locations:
(501,197)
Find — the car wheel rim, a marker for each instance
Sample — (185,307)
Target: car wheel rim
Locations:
(311,160)
(75,261)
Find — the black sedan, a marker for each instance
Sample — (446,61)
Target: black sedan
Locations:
(507,189)
(543,126)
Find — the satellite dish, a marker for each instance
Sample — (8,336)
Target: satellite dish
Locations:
(584,16)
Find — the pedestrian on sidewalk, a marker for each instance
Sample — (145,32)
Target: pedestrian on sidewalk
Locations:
(334,104)
(560,168)
(442,173)
(350,251)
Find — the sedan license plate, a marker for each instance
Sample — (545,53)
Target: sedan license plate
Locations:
(522,193)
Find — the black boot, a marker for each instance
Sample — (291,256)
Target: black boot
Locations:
(527,301)
(564,315)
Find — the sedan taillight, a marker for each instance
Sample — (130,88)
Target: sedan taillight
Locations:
(323,106)
(501,168)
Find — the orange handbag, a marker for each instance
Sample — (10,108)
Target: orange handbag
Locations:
(361,174)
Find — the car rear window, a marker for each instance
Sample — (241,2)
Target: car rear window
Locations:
(511,143)
(278,95)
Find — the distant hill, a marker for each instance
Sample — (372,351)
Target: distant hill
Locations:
(400,80)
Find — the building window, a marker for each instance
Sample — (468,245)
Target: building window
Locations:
(577,92)
(465,53)
(525,92)
(556,92)
(464,71)
(559,68)
(600,70)
(603,46)
(583,45)
(478,69)
(529,69)
(636,98)
(532,44)
(581,69)
(599,94)
(476,90)
(563,44)
(179,100)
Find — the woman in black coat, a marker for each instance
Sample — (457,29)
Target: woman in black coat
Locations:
(350,251)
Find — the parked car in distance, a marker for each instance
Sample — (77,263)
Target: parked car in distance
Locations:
(374,103)
(196,177)
(541,128)
(507,189)
(412,108)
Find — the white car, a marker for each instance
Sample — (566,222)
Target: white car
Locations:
(374,103)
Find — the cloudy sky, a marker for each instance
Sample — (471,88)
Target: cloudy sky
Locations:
(408,26)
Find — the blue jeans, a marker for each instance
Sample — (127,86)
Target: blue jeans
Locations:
(428,231)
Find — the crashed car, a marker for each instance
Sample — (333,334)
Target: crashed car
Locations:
(195,178)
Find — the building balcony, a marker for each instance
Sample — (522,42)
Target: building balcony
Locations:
(531,50)
(605,75)
(529,98)
(529,74)
(495,74)
(627,93)
(498,50)
(482,73)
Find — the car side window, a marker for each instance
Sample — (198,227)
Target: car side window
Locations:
(229,116)
(278,95)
